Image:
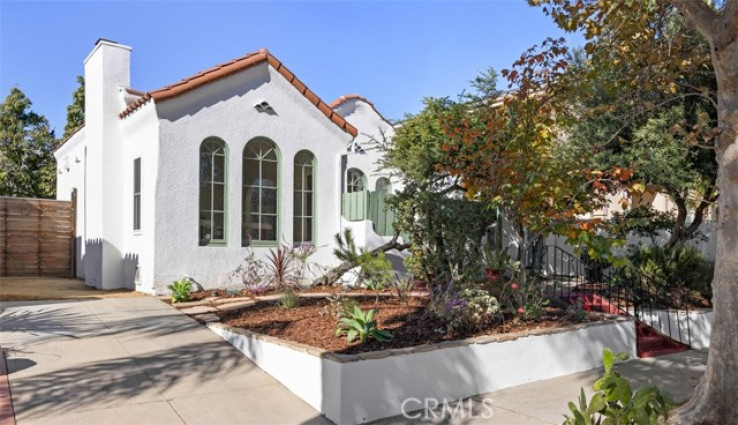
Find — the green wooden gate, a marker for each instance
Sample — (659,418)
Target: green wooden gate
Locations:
(366,205)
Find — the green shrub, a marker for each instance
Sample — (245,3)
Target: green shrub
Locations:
(614,402)
(361,325)
(685,269)
(339,306)
(290,298)
(180,290)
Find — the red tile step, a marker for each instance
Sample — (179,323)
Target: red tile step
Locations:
(649,342)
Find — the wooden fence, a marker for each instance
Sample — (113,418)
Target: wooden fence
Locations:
(37,237)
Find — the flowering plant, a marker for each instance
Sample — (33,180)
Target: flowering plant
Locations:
(525,299)
(462,309)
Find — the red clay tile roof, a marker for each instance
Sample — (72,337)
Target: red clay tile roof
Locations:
(336,103)
(228,68)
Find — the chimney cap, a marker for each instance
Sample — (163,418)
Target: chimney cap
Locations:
(101,39)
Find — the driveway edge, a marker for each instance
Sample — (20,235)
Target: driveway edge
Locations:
(7,414)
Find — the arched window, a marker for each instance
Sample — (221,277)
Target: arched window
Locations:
(213,171)
(304,213)
(383,185)
(355,181)
(260,209)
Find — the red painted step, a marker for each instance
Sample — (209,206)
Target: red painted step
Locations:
(649,342)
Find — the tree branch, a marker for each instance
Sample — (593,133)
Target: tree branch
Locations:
(701,15)
(335,273)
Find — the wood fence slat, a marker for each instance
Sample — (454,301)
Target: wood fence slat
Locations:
(36,237)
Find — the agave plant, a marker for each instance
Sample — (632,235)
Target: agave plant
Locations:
(361,325)
(180,290)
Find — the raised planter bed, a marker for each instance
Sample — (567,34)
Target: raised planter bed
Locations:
(356,388)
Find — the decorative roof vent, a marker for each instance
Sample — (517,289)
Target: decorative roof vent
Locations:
(264,106)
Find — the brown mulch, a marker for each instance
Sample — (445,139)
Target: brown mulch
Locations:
(407,320)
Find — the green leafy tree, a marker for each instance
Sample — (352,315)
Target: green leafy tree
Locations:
(76,110)
(508,153)
(27,166)
(444,227)
(631,33)
(660,133)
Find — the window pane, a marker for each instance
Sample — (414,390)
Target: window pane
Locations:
(269,228)
(137,175)
(218,226)
(250,172)
(308,204)
(218,197)
(298,178)
(308,178)
(269,174)
(297,202)
(269,201)
(297,229)
(205,231)
(252,224)
(205,168)
(219,168)
(308,230)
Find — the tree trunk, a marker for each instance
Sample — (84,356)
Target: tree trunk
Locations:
(715,400)
(335,273)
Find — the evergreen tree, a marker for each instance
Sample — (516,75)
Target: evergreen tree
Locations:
(27,166)
(76,110)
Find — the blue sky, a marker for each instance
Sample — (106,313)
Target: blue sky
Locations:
(393,53)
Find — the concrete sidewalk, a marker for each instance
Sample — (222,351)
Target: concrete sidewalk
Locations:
(133,361)
(139,361)
(545,402)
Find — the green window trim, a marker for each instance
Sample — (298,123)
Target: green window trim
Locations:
(355,181)
(213,196)
(303,216)
(383,185)
(260,190)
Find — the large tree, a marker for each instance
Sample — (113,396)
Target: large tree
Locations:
(76,109)
(508,152)
(630,32)
(662,140)
(27,166)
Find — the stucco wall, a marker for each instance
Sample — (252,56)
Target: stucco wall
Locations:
(71,163)
(225,109)
(141,134)
(373,130)
(374,385)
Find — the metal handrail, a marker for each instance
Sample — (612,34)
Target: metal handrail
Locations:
(627,289)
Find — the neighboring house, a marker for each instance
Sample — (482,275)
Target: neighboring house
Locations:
(186,179)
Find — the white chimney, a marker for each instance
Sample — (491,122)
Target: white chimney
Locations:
(107,68)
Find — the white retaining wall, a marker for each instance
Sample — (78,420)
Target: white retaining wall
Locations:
(350,389)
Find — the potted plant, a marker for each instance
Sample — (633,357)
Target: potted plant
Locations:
(496,263)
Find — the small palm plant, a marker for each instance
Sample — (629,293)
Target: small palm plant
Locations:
(180,290)
(361,325)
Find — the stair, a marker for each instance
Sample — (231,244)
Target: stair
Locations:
(650,343)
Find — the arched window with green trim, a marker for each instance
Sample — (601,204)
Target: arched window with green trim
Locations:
(304,198)
(355,180)
(213,178)
(260,208)
(383,185)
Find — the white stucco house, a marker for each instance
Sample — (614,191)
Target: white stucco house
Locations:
(186,179)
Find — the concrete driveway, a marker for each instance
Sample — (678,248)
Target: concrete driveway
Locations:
(133,361)
(139,361)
